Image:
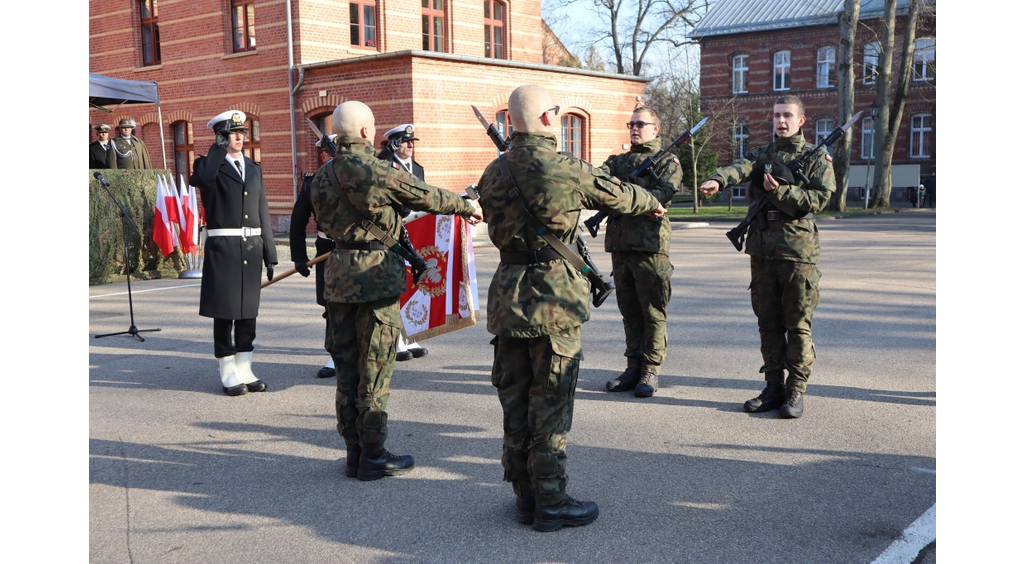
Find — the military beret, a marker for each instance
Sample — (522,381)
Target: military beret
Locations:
(780,172)
(232,120)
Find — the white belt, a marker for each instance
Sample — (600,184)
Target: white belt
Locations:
(322,235)
(236,232)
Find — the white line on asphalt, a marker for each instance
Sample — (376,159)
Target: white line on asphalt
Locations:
(150,290)
(918,535)
(925,470)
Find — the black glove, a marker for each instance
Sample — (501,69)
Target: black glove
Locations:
(270,272)
(301,268)
(223,138)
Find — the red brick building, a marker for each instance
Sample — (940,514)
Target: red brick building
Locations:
(412,61)
(752,52)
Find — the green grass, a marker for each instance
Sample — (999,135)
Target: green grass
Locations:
(684,212)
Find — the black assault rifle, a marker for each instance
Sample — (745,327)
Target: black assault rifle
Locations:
(594,223)
(739,233)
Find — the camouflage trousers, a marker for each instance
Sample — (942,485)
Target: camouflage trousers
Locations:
(643,288)
(784,294)
(536,382)
(362,339)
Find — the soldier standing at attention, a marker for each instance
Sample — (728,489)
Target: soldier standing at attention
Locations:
(640,265)
(355,197)
(784,252)
(99,148)
(239,242)
(537,301)
(126,150)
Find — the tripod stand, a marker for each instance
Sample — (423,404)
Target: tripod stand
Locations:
(125,221)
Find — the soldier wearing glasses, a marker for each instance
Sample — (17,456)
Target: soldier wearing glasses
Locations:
(640,264)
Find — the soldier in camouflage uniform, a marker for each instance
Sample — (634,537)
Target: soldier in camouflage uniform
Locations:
(784,252)
(640,264)
(364,280)
(537,302)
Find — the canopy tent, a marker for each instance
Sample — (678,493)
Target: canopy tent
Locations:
(106,91)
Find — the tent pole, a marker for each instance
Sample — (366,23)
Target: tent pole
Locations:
(163,146)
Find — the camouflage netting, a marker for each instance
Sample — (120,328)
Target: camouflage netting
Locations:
(136,191)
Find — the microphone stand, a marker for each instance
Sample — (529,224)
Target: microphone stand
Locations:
(125,220)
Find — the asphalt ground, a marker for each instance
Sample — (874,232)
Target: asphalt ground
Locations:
(180,472)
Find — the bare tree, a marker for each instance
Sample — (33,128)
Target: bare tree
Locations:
(887,122)
(847,47)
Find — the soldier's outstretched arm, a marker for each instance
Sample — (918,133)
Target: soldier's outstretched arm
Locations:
(601,191)
(417,195)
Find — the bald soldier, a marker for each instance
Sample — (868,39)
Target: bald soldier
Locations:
(538,300)
(355,197)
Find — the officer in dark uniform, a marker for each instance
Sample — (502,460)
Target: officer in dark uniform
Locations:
(400,150)
(99,148)
(239,242)
(301,213)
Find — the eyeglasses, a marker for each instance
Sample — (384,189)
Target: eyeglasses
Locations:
(554,109)
(638,124)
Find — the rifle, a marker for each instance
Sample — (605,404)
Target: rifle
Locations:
(600,286)
(739,233)
(325,140)
(594,223)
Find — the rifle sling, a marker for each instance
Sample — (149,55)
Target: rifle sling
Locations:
(561,248)
(366,224)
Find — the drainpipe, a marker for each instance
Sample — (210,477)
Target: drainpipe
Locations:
(291,102)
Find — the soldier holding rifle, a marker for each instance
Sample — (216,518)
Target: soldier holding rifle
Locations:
(782,241)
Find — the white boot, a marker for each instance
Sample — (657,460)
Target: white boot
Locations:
(403,351)
(243,360)
(233,385)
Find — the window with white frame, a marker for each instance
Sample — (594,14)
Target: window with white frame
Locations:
(871,63)
(826,67)
(822,128)
(920,135)
(740,133)
(867,138)
(782,68)
(740,72)
(924,59)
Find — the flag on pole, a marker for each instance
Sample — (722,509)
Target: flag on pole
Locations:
(187,218)
(446,298)
(173,208)
(163,232)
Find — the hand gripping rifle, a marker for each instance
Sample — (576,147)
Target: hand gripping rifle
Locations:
(739,233)
(594,223)
(600,286)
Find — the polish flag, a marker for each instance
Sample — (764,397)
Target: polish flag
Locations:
(188,224)
(173,205)
(163,231)
(446,298)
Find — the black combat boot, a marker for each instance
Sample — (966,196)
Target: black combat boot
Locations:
(352,461)
(628,379)
(382,463)
(648,382)
(794,406)
(568,513)
(772,397)
(525,508)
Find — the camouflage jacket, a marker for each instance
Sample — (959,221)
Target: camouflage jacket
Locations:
(526,301)
(374,187)
(642,232)
(795,240)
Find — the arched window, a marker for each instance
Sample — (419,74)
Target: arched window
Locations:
(740,74)
(433,25)
(822,128)
(251,148)
(572,135)
(871,51)
(326,126)
(362,18)
(826,67)
(781,79)
(181,133)
(924,59)
(494,29)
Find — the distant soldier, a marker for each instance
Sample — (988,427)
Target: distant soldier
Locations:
(355,197)
(99,148)
(640,265)
(784,252)
(126,150)
(538,300)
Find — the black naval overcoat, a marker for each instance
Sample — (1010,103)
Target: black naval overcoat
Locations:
(232,266)
(98,155)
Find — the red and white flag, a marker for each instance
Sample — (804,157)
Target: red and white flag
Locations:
(163,231)
(173,207)
(188,217)
(446,298)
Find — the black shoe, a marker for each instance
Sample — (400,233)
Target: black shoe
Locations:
(404,355)
(352,461)
(568,513)
(418,352)
(772,397)
(383,464)
(257,386)
(794,406)
(526,505)
(626,381)
(325,372)
(647,386)
(235,390)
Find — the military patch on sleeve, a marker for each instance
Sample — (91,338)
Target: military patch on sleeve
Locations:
(395,165)
(828,157)
(675,160)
